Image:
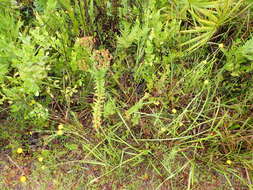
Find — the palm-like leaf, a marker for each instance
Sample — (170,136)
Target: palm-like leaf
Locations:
(208,17)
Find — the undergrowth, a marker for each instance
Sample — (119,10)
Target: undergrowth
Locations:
(145,94)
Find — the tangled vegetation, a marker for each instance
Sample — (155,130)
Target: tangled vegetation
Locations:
(126,94)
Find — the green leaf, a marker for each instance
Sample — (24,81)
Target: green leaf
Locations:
(247,50)
(71,146)
(109,108)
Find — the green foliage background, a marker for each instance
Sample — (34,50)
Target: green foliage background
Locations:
(161,84)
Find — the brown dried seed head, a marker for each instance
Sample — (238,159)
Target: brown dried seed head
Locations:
(87,41)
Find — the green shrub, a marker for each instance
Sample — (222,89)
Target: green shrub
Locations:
(239,58)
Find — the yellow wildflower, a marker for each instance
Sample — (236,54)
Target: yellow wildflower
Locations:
(19,150)
(40,159)
(59,132)
(162,130)
(145,177)
(174,111)
(221,45)
(157,103)
(32,102)
(206,82)
(60,127)
(22,179)
(229,162)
